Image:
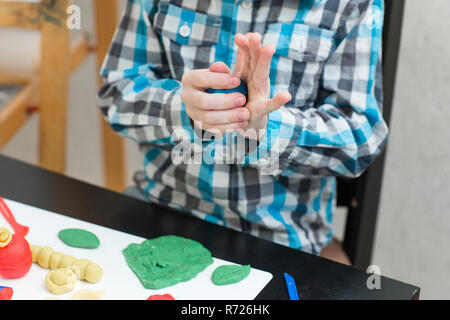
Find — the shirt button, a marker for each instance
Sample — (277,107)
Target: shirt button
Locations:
(263,162)
(185,31)
(246,5)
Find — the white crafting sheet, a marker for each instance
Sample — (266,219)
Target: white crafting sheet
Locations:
(118,281)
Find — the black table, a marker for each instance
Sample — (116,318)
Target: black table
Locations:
(316,278)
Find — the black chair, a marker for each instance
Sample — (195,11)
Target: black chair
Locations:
(361,196)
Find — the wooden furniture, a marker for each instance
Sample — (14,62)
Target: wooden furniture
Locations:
(48,88)
(315,277)
(361,196)
(113,145)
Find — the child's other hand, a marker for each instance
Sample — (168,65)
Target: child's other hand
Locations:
(253,66)
(217,112)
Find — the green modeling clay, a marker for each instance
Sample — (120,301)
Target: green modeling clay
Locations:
(79,238)
(230,274)
(167,260)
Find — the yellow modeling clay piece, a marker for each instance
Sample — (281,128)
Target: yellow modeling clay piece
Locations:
(83,269)
(93,273)
(88,295)
(43,257)
(55,260)
(34,252)
(5,237)
(67,261)
(82,265)
(60,281)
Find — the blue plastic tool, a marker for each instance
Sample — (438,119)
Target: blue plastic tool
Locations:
(292,289)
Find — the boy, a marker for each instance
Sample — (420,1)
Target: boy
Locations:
(312,112)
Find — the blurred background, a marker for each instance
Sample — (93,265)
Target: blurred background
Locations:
(414,217)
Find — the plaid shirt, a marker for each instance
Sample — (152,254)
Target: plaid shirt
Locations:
(328,56)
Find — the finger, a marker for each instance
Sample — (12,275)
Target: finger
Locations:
(226,128)
(254,40)
(204,79)
(243,57)
(262,71)
(278,101)
(215,101)
(220,117)
(220,67)
(242,42)
(240,63)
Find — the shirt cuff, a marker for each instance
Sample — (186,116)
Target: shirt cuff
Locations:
(271,156)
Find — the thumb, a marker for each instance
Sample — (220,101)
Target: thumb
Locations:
(278,101)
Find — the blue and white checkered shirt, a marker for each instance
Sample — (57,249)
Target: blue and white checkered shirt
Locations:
(328,56)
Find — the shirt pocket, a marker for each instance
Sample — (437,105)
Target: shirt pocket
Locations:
(188,37)
(301,52)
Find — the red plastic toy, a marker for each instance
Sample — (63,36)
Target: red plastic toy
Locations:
(15,255)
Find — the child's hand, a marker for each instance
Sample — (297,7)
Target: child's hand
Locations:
(217,112)
(253,66)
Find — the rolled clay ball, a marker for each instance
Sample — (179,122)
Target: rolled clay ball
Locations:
(242,88)
(93,272)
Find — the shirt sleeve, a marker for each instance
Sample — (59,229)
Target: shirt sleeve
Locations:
(138,98)
(345,132)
